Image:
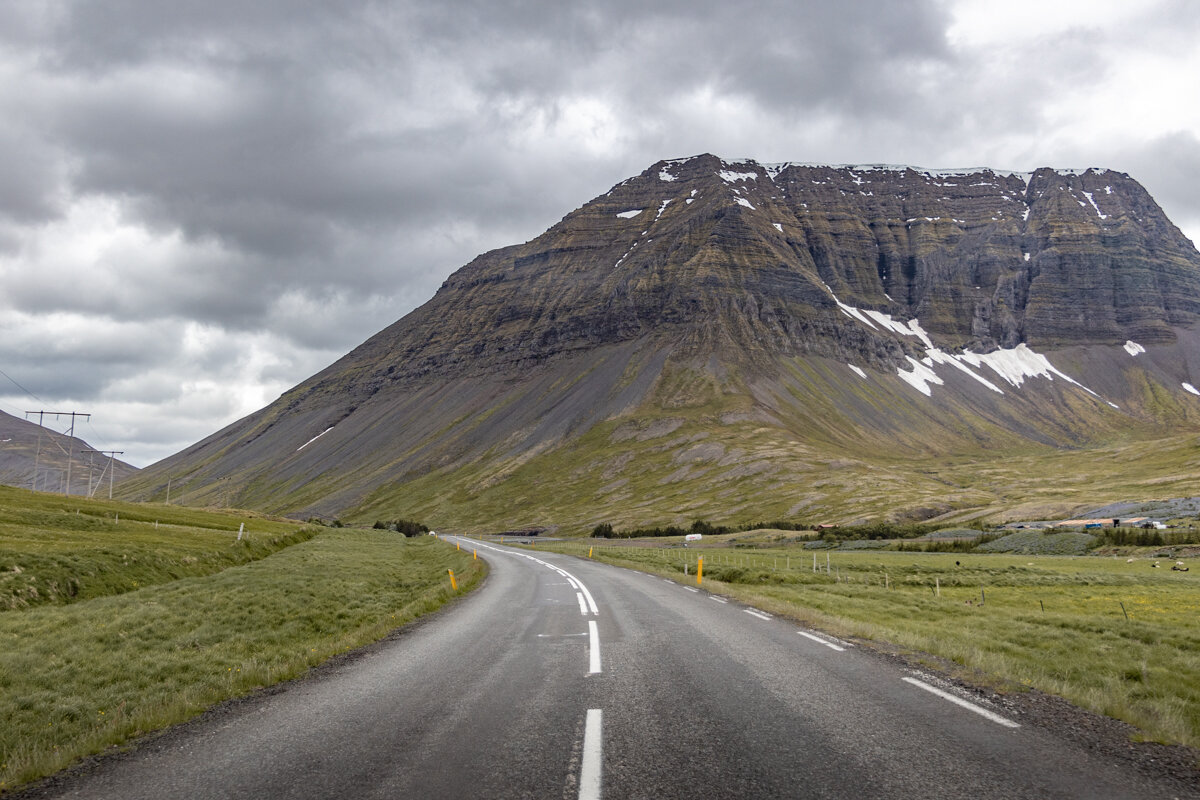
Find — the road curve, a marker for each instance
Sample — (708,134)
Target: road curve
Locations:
(563,677)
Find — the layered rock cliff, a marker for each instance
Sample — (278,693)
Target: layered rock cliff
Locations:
(751,257)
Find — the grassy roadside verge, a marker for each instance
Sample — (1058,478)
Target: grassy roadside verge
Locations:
(56,550)
(78,678)
(1115,637)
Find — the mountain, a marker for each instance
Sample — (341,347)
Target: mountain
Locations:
(25,446)
(733,340)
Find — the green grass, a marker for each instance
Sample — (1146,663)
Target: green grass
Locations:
(56,549)
(722,465)
(1051,623)
(79,677)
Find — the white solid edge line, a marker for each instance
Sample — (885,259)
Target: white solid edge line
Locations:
(819,640)
(582,605)
(593,648)
(754,613)
(589,770)
(983,712)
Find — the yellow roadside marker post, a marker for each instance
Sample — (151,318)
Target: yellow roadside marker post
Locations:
(453,583)
(699,570)
(590,552)
(474,555)
(458,545)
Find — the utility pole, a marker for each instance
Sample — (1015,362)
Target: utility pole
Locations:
(112,454)
(70,440)
(91,459)
(38,457)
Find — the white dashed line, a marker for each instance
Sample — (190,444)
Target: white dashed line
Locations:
(758,614)
(593,648)
(718,599)
(691,589)
(582,605)
(819,640)
(593,749)
(980,710)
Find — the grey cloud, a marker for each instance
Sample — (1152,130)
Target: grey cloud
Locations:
(30,177)
(315,170)
(1169,167)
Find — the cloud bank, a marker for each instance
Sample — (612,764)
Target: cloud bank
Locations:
(201,204)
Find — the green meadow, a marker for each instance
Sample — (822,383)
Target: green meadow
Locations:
(144,621)
(1117,636)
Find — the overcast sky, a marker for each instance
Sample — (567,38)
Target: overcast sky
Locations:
(203,202)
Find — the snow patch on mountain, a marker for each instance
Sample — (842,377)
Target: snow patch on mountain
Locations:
(1013,365)
(310,441)
(921,377)
(1092,200)
(1133,348)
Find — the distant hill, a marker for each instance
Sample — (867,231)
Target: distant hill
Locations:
(734,340)
(20,452)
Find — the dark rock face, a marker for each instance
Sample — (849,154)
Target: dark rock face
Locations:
(748,260)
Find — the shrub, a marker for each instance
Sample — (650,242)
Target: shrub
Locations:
(405,526)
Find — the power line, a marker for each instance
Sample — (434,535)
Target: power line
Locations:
(22,388)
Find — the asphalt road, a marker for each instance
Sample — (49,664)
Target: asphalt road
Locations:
(568,678)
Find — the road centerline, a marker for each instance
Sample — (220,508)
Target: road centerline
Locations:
(593,648)
(593,750)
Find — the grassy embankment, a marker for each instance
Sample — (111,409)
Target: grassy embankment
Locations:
(135,626)
(1120,638)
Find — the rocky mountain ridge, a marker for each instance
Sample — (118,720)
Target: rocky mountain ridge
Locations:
(984,259)
(817,303)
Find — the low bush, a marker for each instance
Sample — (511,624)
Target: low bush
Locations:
(405,526)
